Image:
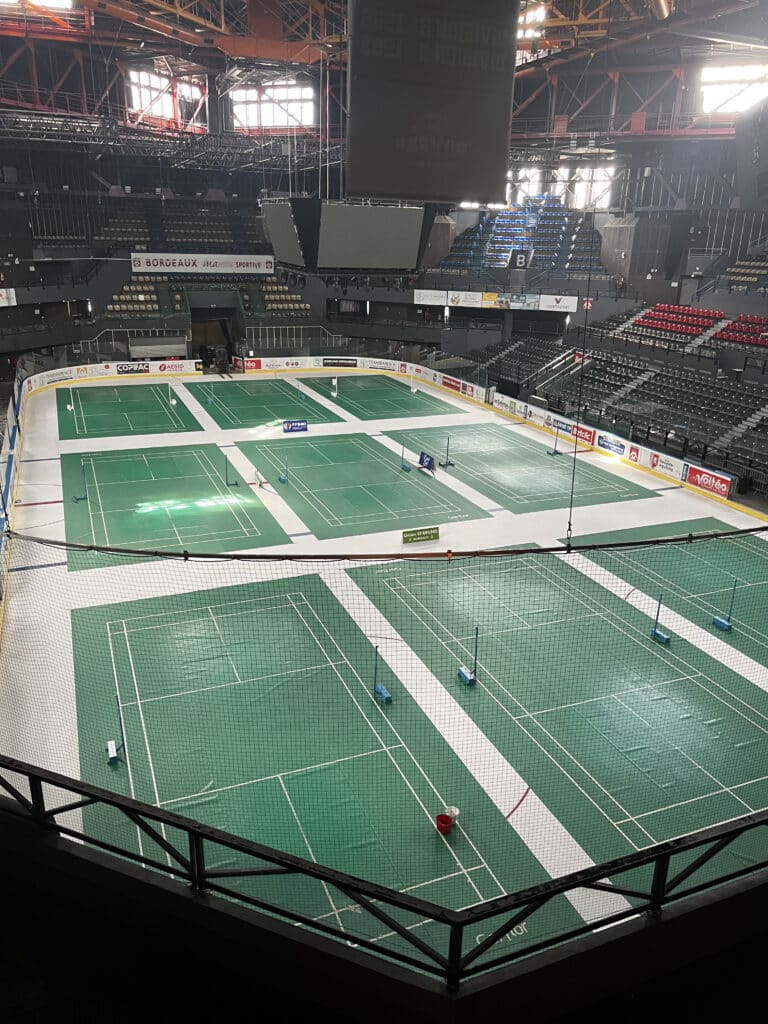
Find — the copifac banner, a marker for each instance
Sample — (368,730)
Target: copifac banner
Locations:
(200,263)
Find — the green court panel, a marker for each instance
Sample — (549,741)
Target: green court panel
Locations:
(515,472)
(258,403)
(350,485)
(626,742)
(162,499)
(697,579)
(376,397)
(108,410)
(250,708)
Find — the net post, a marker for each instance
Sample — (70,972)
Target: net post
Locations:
(474,667)
(405,466)
(227,481)
(726,623)
(84,495)
(656,633)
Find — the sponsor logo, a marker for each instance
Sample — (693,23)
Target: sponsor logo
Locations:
(378,364)
(341,361)
(666,465)
(127,368)
(404,368)
(654,460)
(253,364)
(237,362)
(294,426)
(610,444)
(634,454)
(452,383)
(177,367)
(585,434)
(708,481)
(55,375)
(562,426)
(81,371)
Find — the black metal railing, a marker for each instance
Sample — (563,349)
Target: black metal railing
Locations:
(640,884)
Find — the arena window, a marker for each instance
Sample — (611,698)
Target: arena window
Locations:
(283,104)
(52,5)
(732,90)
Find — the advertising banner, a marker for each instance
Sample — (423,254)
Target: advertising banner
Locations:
(7,297)
(294,426)
(585,434)
(611,444)
(707,480)
(339,361)
(665,464)
(424,297)
(558,303)
(452,383)
(200,263)
(471,299)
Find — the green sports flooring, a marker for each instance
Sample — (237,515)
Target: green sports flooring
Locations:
(374,397)
(250,709)
(258,403)
(351,485)
(515,472)
(101,410)
(697,580)
(168,499)
(628,743)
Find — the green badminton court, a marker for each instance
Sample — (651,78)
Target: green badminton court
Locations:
(627,742)
(697,580)
(344,486)
(251,709)
(101,410)
(258,403)
(514,471)
(376,397)
(169,499)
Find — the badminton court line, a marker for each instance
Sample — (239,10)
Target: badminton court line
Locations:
(274,503)
(320,399)
(552,845)
(738,663)
(206,421)
(376,707)
(449,482)
(697,600)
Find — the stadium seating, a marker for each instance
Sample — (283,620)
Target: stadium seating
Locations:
(668,325)
(746,329)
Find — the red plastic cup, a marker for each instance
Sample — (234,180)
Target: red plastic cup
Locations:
(444,822)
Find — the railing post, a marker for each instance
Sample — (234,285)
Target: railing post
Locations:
(453,974)
(197,863)
(659,883)
(37,799)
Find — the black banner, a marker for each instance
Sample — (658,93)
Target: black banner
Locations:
(329,361)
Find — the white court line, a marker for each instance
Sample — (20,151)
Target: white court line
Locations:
(308,845)
(721,787)
(143,725)
(124,738)
(739,663)
(375,732)
(545,836)
(276,775)
(518,719)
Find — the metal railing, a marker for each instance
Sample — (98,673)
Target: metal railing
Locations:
(674,870)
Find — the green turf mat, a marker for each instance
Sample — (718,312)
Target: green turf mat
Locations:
(166,499)
(614,732)
(258,403)
(697,579)
(515,472)
(109,410)
(351,485)
(250,708)
(377,397)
